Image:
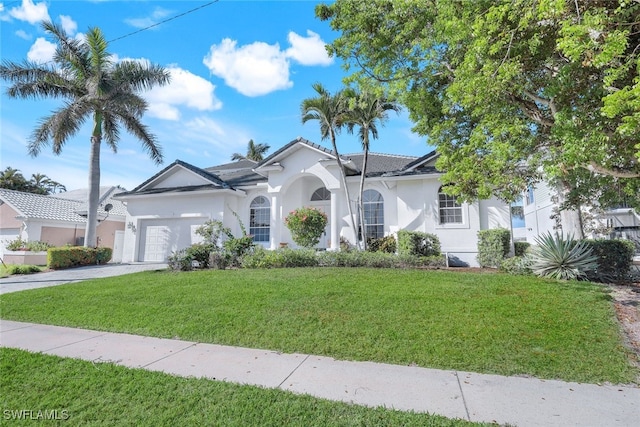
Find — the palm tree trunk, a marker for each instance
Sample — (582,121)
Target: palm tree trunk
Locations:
(343,173)
(361,200)
(90,235)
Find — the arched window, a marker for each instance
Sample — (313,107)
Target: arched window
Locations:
(373,214)
(449,209)
(260,219)
(321,194)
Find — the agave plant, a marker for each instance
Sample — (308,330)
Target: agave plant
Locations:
(560,258)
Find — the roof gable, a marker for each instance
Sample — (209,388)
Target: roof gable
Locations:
(180,174)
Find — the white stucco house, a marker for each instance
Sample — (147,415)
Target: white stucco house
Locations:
(401,192)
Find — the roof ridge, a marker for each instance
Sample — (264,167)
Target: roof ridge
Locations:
(48,196)
(403,156)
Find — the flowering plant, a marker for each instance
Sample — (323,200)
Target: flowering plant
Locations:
(306,225)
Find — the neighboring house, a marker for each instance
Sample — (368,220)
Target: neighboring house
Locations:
(401,192)
(540,217)
(60,219)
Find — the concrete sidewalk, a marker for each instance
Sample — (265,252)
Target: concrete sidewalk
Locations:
(471,396)
(17,283)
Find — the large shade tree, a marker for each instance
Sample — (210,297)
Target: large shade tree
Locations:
(329,111)
(510,92)
(93,86)
(366,111)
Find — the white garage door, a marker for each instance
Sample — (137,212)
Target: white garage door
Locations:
(7,235)
(160,238)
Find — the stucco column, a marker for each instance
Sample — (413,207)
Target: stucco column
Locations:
(276,221)
(335,222)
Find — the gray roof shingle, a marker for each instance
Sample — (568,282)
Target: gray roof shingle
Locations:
(38,206)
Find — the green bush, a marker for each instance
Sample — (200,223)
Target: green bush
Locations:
(493,246)
(22,269)
(520,248)
(76,256)
(280,258)
(238,247)
(306,225)
(180,260)
(418,244)
(22,245)
(200,252)
(517,265)
(385,244)
(614,260)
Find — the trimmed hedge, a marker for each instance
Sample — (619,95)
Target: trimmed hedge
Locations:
(520,248)
(614,259)
(416,243)
(385,244)
(493,246)
(77,256)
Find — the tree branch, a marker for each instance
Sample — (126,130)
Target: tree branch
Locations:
(614,172)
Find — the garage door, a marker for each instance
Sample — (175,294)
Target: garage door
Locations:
(7,235)
(160,238)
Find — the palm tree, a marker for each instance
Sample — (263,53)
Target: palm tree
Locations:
(255,152)
(40,183)
(92,85)
(12,179)
(367,110)
(329,111)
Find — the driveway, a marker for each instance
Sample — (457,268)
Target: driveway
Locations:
(17,283)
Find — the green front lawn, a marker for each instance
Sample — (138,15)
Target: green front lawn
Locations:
(493,323)
(83,393)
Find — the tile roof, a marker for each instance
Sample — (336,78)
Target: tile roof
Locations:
(38,206)
(238,174)
(379,163)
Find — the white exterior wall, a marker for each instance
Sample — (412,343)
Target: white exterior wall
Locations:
(537,215)
(148,210)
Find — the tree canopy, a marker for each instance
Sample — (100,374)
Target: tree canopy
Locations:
(508,91)
(12,179)
(255,152)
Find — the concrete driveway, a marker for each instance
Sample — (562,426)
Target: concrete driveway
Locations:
(17,283)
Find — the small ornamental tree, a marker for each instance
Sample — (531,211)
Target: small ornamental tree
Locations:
(306,225)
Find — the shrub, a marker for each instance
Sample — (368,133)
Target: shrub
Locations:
(237,248)
(385,244)
(306,225)
(559,258)
(76,256)
(22,269)
(520,248)
(615,258)
(378,260)
(517,265)
(200,253)
(417,243)
(493,246)
(22,245)
(345,245)
(180,260)
(285,257)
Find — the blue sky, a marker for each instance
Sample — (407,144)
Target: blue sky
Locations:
(240,70)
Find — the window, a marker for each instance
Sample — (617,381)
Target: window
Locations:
(529,199)
(260,219)
(450,210)
(321,194)
(373,214)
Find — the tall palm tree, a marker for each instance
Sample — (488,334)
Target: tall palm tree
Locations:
(12,179)
(84,75)
(329,111)
(366,111)
(255,152)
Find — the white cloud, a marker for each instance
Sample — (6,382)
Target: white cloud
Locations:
(157,15)
(30,12)
(23,35)
(68,24)
(308,50)
(185,89)
(253,70)
(41,51)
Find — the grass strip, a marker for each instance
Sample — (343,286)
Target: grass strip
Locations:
(83,393)
(492,323)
